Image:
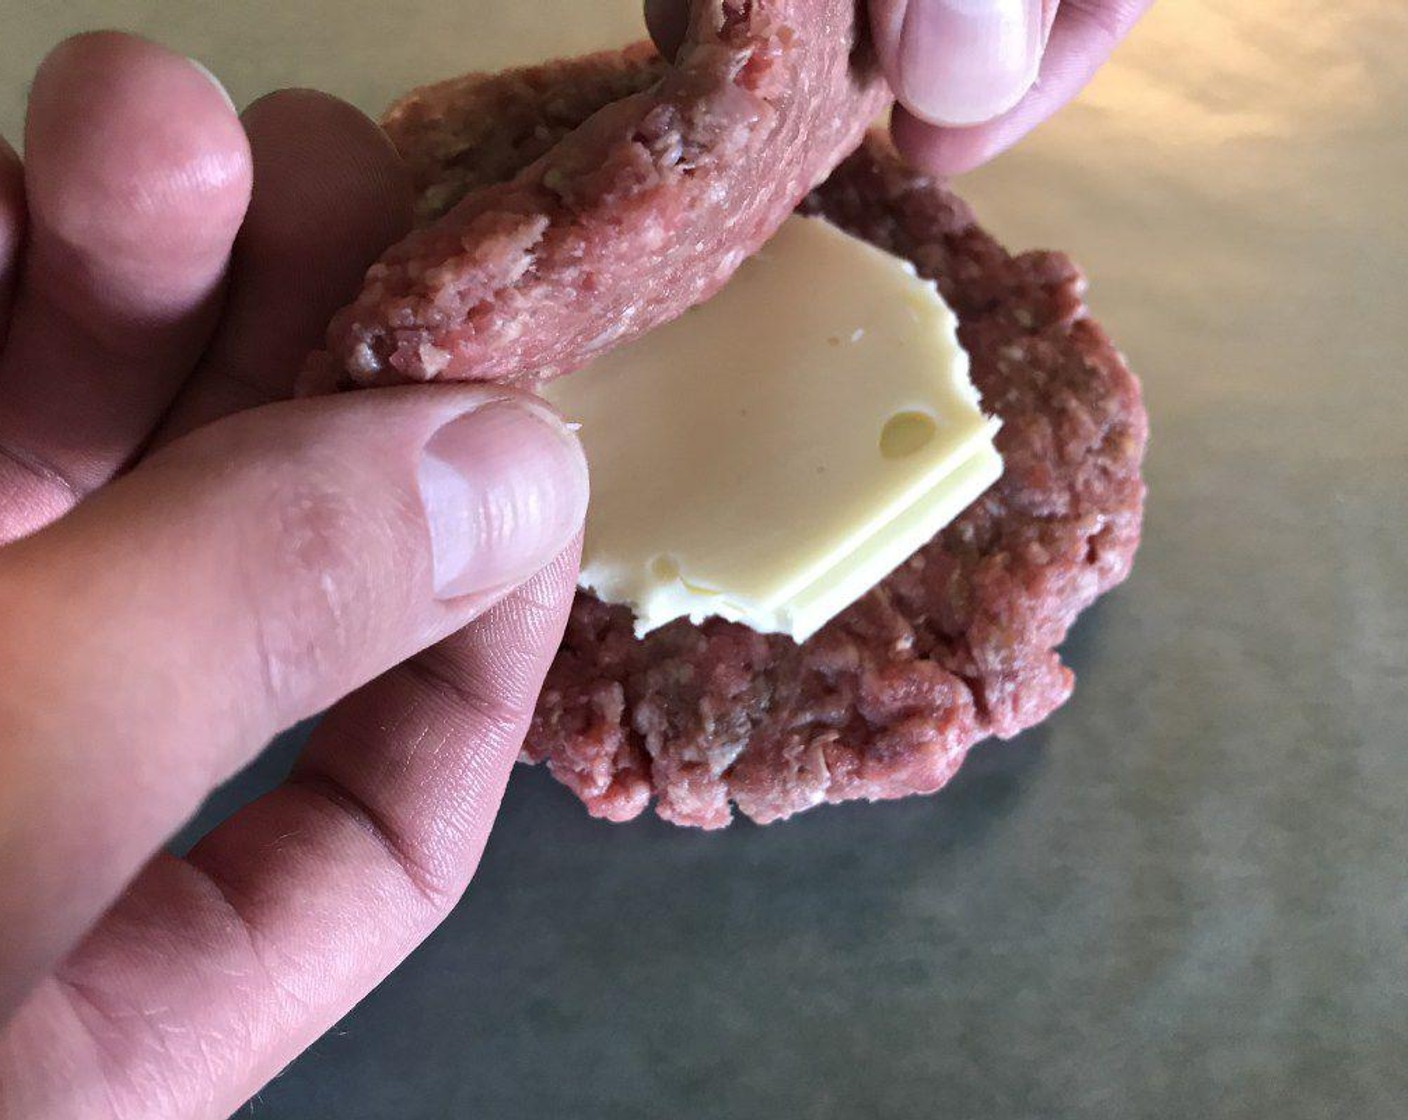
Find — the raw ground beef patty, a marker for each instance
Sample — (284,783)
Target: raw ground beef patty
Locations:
(956,645)
(598,225)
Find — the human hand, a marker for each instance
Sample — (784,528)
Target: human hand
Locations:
(161,621)
(972,77)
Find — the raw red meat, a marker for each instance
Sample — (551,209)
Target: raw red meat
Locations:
(638,212)
(956,645)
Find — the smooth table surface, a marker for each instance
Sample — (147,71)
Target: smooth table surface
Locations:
(1187,894)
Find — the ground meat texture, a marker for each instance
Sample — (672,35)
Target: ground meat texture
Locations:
(477,130)
(956,645)
(623,217)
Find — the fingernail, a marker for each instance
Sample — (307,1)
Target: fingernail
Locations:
(963,62)
(210,77)
(504,490)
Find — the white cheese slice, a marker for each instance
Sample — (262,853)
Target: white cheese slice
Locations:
(777,451)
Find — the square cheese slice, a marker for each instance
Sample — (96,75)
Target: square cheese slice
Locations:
(774,453)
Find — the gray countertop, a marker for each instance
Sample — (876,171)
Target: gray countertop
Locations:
(1186,895)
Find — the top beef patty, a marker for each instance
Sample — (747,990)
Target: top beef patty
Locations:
(640,210)
(957,644)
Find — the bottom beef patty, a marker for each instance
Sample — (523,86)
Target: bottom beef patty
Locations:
(957,644)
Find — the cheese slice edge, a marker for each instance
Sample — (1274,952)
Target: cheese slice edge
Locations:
(776,452)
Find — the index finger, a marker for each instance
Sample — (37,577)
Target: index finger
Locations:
(136,177)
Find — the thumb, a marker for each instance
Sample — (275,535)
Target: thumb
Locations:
(241,580)
(961,62)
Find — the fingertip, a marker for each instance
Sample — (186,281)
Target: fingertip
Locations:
(961,63)
(504,489)
(134,154)
(332,194)
(311,147)
(668,22)
(886,27)
(1078,41)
